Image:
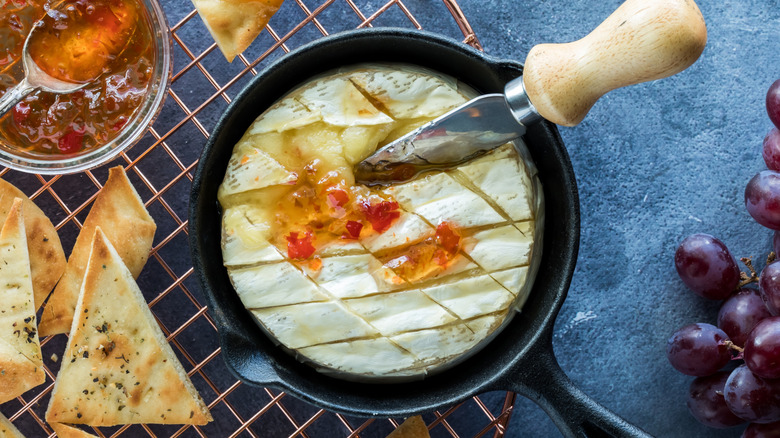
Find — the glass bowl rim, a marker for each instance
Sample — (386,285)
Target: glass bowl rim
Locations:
(139,123)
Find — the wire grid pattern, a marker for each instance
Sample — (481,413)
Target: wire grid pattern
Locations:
(161,168)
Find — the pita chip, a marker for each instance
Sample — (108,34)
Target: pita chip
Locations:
(47,259)
(7,430)
(413,427)
(21,364)
(234,24)
(65,431)
(119,211)
(118,367)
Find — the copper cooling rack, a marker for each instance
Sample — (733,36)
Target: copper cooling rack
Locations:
(161,167)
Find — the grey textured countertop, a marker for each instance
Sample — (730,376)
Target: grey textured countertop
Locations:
(655,162)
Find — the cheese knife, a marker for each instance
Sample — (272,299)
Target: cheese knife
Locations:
(642,40)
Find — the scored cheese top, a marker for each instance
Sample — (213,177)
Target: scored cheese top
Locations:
(380,284)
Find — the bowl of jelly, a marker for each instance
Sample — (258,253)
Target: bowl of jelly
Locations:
(119,48)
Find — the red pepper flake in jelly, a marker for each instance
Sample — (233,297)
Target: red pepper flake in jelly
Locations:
(447,238)
(299,248)
(20,112)
(381,214)
(353,230)
(71,142)
(337,198)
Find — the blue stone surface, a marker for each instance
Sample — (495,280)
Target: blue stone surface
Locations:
(655,162)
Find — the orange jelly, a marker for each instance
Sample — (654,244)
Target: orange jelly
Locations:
(316,213)
(105,43)
(81,43)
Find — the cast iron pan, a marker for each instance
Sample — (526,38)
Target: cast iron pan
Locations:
(519,359)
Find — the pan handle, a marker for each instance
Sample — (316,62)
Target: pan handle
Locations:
(574,412)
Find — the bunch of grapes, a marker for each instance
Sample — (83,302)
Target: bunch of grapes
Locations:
(748,324)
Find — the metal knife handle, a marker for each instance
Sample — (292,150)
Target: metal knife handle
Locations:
(641,41)
(521,107)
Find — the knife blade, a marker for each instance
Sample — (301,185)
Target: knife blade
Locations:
(464,133)
(641,41)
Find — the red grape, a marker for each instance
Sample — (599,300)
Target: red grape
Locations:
(740,313)
(776,243)
(773,103)
(698,349)
(762,198)
(756,430)
(706,266)
(751,397)
(707,404)
(762,349)
(771,150)
(769,287)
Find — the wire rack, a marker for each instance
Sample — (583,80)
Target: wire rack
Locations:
(161,167)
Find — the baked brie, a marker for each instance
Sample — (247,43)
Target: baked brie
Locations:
(381,284)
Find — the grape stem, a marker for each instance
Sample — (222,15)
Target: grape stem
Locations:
(753,278)
(736,348)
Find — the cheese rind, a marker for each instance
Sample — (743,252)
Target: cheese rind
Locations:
(512,279)
(400,311)
(471,297)
(408,229)
(275,284)
(504,182)
(244,242)
(438,344)
(282,116)
(375,357)
(500,248)
(252,170)
(439,198)
(308,324)
(354,276)
(339,103)
(399,91)
(339,308)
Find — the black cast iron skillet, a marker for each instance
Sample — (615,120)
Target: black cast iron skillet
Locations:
(519,359)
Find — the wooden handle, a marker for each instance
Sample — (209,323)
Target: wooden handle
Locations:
(641,41)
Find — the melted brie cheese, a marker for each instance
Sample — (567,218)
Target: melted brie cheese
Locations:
(374,298)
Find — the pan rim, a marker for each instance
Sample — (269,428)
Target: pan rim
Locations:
(261,367)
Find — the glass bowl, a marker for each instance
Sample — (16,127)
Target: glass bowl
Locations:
(141,118)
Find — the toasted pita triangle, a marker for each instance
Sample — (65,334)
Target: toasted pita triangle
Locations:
(234,24)
(65,431)
(413,427)
(47,260)
(120,212)
(7,430)
(118,367)
(20,351)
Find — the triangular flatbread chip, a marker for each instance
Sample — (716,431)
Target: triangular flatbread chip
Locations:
(120,212)
(65,431)
(21,365)
(47,259)
(234,24)
(118,367)
(413,427)
(7,430)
